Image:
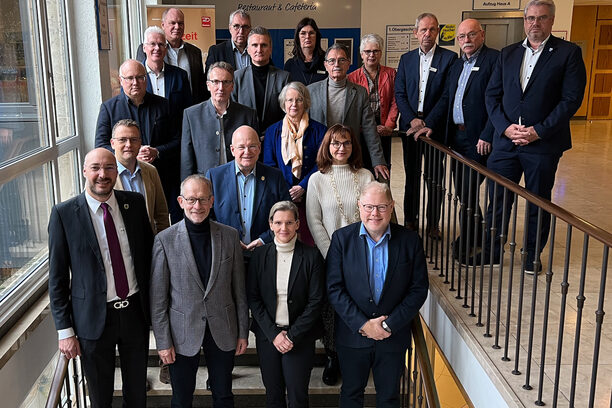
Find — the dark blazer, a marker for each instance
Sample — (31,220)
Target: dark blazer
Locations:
(221,52)
(270,188)
(306,292)
(199,91)
(348,287)
(475,115)
(552,96)
(159,129)
(407,83)
(77,278)
(312,139)
(298,71)
(244,93)
(176,89)
(200,143)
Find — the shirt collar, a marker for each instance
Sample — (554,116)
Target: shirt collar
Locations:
(121,168)
(430,53)
(94,204)
(473,57)
(364,232)
(149,70)
(527,46)
(179,48)
(236,48)
(238,172)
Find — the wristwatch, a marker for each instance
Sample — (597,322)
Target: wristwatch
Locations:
(386,327)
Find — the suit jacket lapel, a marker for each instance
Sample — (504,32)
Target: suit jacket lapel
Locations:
(269,278)
(547,52)
(296,263)
(270,81)
(82,213)
(435,63)
(350,96)
(168,81)
(392,261)
(146,181)
(515,60)
(216,246)
(361,258)
(250,87)
(260,189)
(415,66)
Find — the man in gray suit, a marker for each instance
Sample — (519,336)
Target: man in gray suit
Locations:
(337,100)
(198,297)
(258,85)
(208,126)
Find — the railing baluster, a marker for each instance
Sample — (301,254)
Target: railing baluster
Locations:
(519,313)
(476,223)
(510,278)
(449,257)
(455,201)
(599,317)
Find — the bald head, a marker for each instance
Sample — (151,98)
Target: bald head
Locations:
(471,36)
(245,148)
(132,75)
(100,172)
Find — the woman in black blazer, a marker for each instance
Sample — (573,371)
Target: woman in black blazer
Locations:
(285,290)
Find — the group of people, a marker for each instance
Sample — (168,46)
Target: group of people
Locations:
(265,200)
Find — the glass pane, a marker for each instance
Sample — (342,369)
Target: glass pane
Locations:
(117,25)
(69,174)
(21,117)
(60,68)
(24,211)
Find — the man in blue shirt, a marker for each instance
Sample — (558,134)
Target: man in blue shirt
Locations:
(376,281)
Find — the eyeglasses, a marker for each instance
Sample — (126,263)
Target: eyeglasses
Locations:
(336,145)
(158,45)
(332,61)
(382,208)
(194,200)
(532,19)
(471,35)
(138,78)
(216,82)
(285,223)
(96,168)
(370,52)
(241,148)
(297,101)
(238,27)
(124,140)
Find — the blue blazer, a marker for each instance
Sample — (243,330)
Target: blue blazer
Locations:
(477,123)
(270,188)
(348,286)
(313,136)
(407,83)
(176,89)
(552,96)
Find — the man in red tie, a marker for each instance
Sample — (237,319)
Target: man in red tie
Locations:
(99,264)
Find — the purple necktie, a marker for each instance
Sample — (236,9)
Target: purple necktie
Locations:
(121,283)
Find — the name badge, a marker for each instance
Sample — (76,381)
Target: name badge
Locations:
(321,72)
(475,68)
(432,69)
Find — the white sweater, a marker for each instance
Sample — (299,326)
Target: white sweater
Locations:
(322,212)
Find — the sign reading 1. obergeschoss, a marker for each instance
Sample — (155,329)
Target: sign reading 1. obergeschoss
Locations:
(337,20)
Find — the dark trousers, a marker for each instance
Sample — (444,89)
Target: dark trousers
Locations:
(355,366)
(185,368)
(539,171)
(290,371)
(127,330)
(434,176)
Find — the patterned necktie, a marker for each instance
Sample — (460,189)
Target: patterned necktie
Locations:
(121,283)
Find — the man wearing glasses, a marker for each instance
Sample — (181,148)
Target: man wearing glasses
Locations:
(198,297)
(246,189)
(536,87)
(377,282)
(158,129)
(337,100)
(233,51)
(208,127)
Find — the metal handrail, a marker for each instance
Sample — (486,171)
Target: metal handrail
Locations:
(427,373)
(59,377)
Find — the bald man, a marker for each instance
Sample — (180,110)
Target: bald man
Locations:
(99,255)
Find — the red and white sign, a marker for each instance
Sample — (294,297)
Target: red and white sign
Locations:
(206,21)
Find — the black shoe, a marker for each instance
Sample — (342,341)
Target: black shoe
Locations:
(480,257)
(331,370)
(164,373)
(531,269)
(434,232)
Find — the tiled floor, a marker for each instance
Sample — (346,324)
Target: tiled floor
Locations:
(583,187)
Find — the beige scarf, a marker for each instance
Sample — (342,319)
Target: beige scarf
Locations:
(291,143)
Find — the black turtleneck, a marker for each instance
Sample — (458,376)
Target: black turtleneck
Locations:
(199,237)
(260,78)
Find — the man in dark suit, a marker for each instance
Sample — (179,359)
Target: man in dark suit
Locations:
(464,121)
(377,282)
(198,297)
(164,79)
(536,87)
(246,189)
(182,54)
(208,127)
(258,85)
(159,131)
(419,83)
(233,51)
(99,255)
